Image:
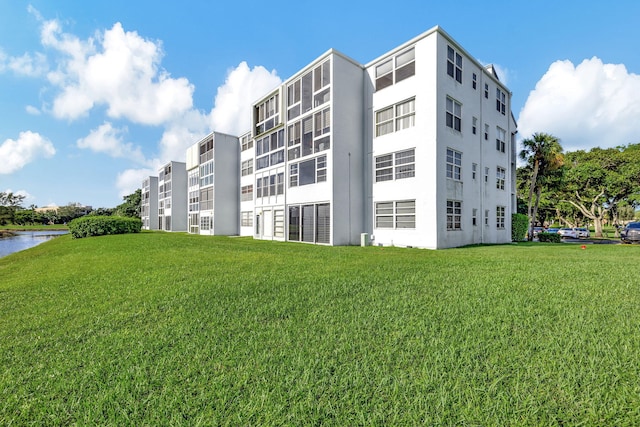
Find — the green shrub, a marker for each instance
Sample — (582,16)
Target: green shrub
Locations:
(519,227)
(88,226)
(550,237)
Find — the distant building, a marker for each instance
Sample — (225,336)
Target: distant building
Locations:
(149,203)
(172,197)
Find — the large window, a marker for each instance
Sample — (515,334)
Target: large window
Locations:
(310,223)
(270,150)
(247,167)
(246,193)
(309,135)
(396,117)
(206,199)
(267,114)
(206,174)
(454,64)
(206,151)
(501,99)
(395,69)
(396,214)
(501,140)
(454,164)
(308,172)
(397,165)
(246,219)
(454,114)
(194,203)
(309,91)
(454,215)
(501,174)
(272,185)
(500,216)
(246,142)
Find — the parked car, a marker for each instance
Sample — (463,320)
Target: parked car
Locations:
(583,233)
(631,233)
(568,232)
(537,230)
(552,230)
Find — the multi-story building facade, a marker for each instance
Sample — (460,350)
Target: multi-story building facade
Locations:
(416,148)
(172,197)
(213,177)
(247,181)
(149,203)
(442,147)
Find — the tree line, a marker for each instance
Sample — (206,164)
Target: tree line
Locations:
(12,211)
(579,187)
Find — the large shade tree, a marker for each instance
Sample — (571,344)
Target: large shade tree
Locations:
(596,182)
(544,158)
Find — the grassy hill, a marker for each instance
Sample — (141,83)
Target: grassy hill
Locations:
(176,329)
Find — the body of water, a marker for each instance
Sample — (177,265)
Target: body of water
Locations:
(26,239)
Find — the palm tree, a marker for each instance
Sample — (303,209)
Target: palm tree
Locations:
(543,154)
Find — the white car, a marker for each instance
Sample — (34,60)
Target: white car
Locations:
(568,232)
(583,233)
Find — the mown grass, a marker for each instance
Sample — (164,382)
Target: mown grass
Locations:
(174,329)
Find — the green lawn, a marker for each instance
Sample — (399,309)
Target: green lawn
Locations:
(175,329)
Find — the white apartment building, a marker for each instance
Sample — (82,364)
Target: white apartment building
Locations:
(309,151)
(213,175)
(442,147)
(416,148)
(172,197)
(149,203)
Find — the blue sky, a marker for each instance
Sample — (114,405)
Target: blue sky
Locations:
(96,95)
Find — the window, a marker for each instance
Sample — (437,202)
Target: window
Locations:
(454,64)
(397,165)
(194,202)
(396,117)
(486,217)
(273,144)
(310,223)
(474,81)
(246,143)
(486,90)
(267,114)
(474,125)
(246,219)
(247,167)
(454,114)
(486,132)
(454,215)
(454,164)
(501,99)
(206,151)
(309,135)
(396,69)
(206,174)
(486,175)
(396,214)
(272,185)
(246,193)
(501,174)
(205,223)
(501,139)
(474,217)
(278,223)
(308,172)
(500,210)
(309,91)
(206,199)
(474,171)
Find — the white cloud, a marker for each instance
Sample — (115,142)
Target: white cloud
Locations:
(15,154)
(232,111)
(117,69)
(28,65)
(589,105)
(34,111)
(107,139)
